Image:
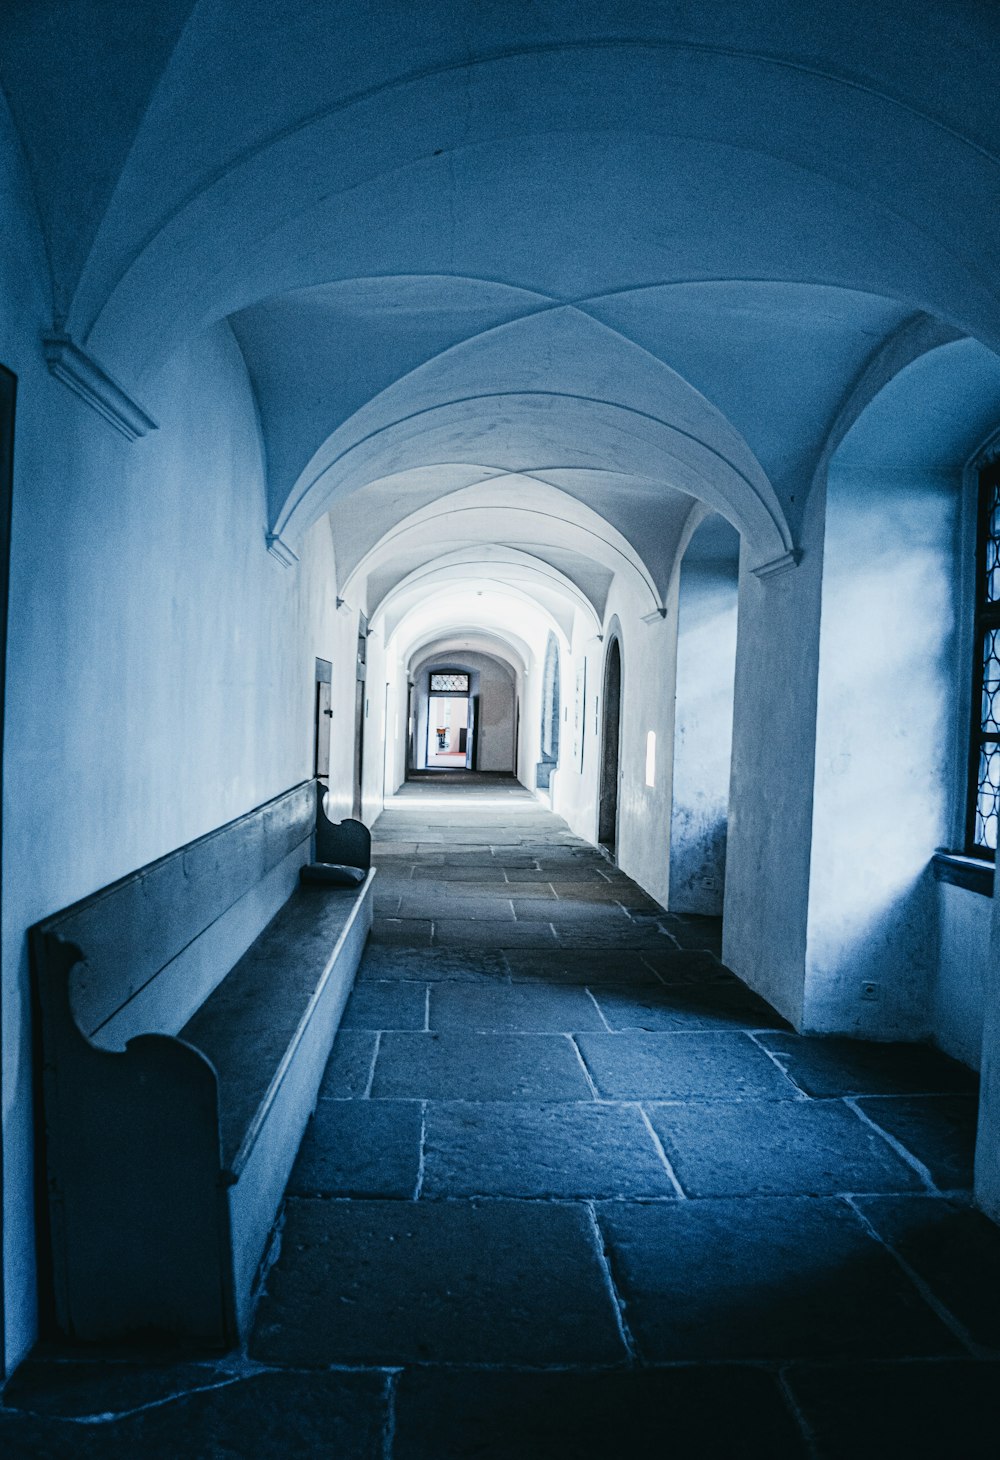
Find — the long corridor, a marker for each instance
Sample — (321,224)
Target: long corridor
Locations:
(572,1191)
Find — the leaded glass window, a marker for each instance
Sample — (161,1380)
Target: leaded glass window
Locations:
(984,761)
(443,684)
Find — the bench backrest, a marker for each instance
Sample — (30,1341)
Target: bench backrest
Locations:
(159,940)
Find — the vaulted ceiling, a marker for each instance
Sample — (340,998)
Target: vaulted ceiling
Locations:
(565,271)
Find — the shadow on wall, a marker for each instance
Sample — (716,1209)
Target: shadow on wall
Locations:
(697,859)
(855,984)
(703,725)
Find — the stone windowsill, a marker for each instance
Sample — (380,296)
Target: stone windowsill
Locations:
(972,873)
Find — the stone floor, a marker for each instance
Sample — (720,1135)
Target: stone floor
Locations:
(572,1191)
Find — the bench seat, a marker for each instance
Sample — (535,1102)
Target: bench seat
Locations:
(186,1016)
(257,1016)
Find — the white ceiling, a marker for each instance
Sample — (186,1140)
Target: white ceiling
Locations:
(578,270)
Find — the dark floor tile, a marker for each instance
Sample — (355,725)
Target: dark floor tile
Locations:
(765,1148)
(464,872)
(529,891)
(386,905)
(580,966)
(855,1067)
(428,965)
(563,911)
(601,934)
(349,1067)
(360,1148)
(708,1413)
(464,892)
(530,1008)
(554,1149)
(387,1004)
(390,883)
(408,931)
(457,932)
(78,1387)
(680,965)
(940,1130)
(526,875)
(920,1411)
(467,1066)
(502,857)
(482,836)
(397,1282)
(763,1279)
(640,1066)
(955,1250)
(469,909)
(625,894)
(696,933)
(253,1418)
(708,1005)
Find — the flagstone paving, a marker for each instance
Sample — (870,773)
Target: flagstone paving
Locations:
(572,1190)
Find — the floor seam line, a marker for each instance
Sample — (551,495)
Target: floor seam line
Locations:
(617,1302)
(422,1157)
(751,1035)
(943,1312)
(661,1152)
(600,1011)
(594,1094)
(916,1165)
(371,1073)
(389,1426)
(795,1409)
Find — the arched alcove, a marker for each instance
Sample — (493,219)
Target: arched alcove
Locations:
(891,952)
(607,828)
(484,711)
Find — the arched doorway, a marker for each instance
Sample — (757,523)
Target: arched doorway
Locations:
(607,822)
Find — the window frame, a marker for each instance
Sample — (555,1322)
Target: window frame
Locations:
(986,617)
(458,693)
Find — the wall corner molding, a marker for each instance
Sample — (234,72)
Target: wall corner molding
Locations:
(85,378)
(657,616)
(280,550)
(788,560)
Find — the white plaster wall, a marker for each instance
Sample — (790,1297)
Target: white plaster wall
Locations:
(703,735)
(164,677)
(496,716)
(530,739)
(885,750)
(961,977)
(574,784)
(648,663)
(376,723)
(771,780)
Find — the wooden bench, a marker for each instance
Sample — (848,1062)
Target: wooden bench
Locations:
(187,1014)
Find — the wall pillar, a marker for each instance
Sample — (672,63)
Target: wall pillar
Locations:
(771,783)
